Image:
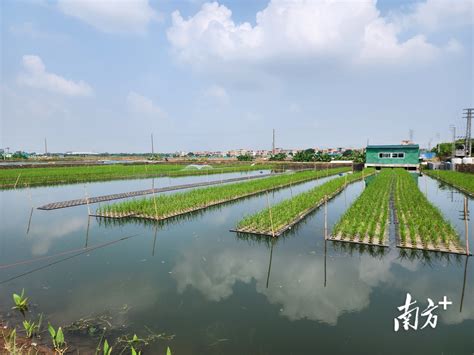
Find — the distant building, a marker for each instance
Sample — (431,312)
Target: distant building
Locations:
(81,153)
(393,156)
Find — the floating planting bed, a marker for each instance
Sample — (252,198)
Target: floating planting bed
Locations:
(461,181)
(367,220)
(420,224)
(97,199)
(21,177)
(275,220)
(167,206)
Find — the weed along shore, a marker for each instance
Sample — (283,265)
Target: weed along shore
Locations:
(36,335)
(367,220)
(167,206)
(275,220)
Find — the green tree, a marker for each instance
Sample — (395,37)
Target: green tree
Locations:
(245,157)
(305,155)
(278,157)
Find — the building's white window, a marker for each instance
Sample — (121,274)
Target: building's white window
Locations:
(398,155)
(392,155)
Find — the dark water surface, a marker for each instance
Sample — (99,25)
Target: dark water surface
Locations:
(219,293)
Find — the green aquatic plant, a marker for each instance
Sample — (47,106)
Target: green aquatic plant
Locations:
(462,181)
(21,302)
(9,341)
(418,218)
(367,217)
(292,210)
(165,206)
(107,349)
(31,327)
(57,337)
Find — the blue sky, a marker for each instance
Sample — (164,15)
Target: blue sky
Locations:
(102,75)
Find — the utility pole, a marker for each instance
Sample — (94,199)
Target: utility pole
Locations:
(453,153)
(410,133)
(152,147)
(273,143)
(468,142)
(45,147)
(465,217)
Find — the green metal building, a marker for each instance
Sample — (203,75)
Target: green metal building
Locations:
(393,156)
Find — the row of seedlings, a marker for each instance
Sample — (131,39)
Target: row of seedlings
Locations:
(461,181)
(420,224)
(167,206)
(275,220)
(367,220)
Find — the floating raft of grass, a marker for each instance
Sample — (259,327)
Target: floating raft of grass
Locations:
(461,181)
(420,224)
(276,220)
(168,206)
(97,199)
(367,220)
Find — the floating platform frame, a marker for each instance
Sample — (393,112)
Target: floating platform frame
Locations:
(91,200)
(298,219)
(441,248)
(198,208)
(360,240)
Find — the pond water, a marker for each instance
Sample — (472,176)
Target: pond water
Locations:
(219,293)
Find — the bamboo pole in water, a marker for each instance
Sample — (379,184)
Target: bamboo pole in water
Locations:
(31,211)
(463,284)
(466,222)
(271,219)
(154,197)
(87,200)
(16,182)
(325,217)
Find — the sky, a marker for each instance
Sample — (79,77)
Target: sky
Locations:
(102,76)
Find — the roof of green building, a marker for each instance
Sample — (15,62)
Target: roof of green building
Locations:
(394,146)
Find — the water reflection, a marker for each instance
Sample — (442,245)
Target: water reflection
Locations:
(196,279)
(44,235)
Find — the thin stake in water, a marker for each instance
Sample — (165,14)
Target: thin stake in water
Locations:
(325,217)
(466,223)
(31,211)
(87,200)
(271,219)
(16,182)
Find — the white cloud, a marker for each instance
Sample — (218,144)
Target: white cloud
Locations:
(117,16)
(299,29)
(217,93)
(434,15)
(143,105)
(380,43)
(36,76)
